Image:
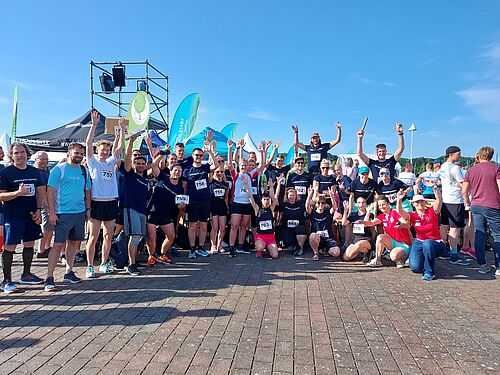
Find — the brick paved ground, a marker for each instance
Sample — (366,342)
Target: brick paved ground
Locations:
(250,316)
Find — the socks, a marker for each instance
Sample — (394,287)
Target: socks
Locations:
(7,257)
(27,259)
(453,250)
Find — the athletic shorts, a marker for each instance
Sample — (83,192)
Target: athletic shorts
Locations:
(453,215)
(156,219)
(218,207)
(134,222)
(198,210)
(402,245)
(70,227)
(21,230)
(288,235)
(327,243)
(358,238)
(104,210)
(268,239)
(45,220)
(241,208)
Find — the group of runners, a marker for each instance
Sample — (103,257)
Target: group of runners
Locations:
(348,211)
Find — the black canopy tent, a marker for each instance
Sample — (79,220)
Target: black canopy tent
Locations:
(59,138)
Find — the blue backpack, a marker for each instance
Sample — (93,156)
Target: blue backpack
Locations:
(119,251)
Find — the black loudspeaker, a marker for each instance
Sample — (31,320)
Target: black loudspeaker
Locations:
(119,75)
(107,84)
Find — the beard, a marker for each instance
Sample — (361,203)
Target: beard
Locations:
(76,159)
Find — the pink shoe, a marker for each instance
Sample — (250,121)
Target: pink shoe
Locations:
(468,251)
(258,254)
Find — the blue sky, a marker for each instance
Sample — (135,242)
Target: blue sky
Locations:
(268,64)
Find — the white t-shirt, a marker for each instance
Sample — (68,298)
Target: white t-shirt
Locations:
(408,178)
(103,174)
(451,177)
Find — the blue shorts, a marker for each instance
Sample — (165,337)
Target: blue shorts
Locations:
(21,230)
(402,245)
(70,227)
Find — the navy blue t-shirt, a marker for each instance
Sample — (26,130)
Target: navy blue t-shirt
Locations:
(135,190)
(197,180)
(324,182)
(321,222)
(391,190)
(366,191)
(162,200)
(218,190)
(300,182)
(376,165)
(314,156)
(10,179)
(357,216)
(346,182)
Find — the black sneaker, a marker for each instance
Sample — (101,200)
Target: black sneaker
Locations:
(232,253)
(132,270)
(44,254)
(241,250)
(366,257)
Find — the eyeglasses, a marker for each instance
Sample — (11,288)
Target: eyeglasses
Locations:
(198,155)
(219,172)
(220,161)
(321,203)
(324,167)
(300,162)
(384,173)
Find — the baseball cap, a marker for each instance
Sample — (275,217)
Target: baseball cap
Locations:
(417,198)
(452,149)
(363,169)
(325,163)
(437,161)
(315,134)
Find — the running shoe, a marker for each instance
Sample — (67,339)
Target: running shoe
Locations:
(79,258)
(468,251)
(71,277)
(428,277)
(483,268)
(8,287)
(241,250)
(192,255)
(174,252)
(213,250)
(164,259)
(232,253)
(62,260)
(89,272)
(221,248)
(444,256)
(105,268)
(300,252)
(455,259)
(497,272)
(50,285)
(366,258)
(151,260)
(258,254)
(374,263)
(133,270)
(402,263)
(30,279)
(43,254)
(386,255)
(201,252)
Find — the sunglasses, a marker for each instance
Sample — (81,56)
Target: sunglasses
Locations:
(324,167)
(198,155)
(384,173)
(300,162)
(219,172)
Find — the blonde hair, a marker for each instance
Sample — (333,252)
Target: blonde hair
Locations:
(485,153)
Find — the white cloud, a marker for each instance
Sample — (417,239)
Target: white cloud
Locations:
(493,53)
(368,81)
(263,115)
(484,101)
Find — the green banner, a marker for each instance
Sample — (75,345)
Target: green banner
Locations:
(138,115)
(14,118)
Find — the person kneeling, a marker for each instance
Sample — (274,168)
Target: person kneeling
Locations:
(264,238)
(363,240)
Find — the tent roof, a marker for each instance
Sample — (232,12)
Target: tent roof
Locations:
(58,139)
(198,139)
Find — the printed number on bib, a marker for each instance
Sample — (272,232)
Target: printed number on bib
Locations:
(31,189)
(266,225)
(107,175)
(358,228)
(180,199)
(315,157)
(301,190)
(219,192)
(323,233)
(292,223)
(200,184)
(254,190)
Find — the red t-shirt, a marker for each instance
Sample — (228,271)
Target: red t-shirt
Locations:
(398,234)
(427,225)
(483,184)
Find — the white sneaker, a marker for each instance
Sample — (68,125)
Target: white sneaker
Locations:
(374,263)
(497,272)
(89,272)
(400,264)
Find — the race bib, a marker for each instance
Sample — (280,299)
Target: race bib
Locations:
(200,184)
(31,189)
(358,228)
(180,199)
(292,223)
(323,233)
(392,197)
(219,192)
(315,157)
(243,190)
(107,175)
(266,225)
(254,190)
(417,223)
(301,190)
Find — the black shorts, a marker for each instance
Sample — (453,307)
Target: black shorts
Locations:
(241,208)
(198,210)
(327,243)
(218,207)
(358,238)
(288,235)
(453,215)
(104,210)
(156,219)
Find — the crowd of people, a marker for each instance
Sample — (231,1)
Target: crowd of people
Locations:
(234,203)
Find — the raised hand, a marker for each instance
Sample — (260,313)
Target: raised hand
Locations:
(338,124)
(95,117)
(262,146)
(331,191)
(346,205)
(400,195)
(399,127)
(360,133)
(148,139)
(268,144)
(277,144)
(156,151)
(295,128)
(209,136)
(214,145)
(122,123)
(310,190)
(206,146)
(280,178)
(229,143)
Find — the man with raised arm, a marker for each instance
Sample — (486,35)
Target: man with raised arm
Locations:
(316,151)
(104,204)
(381,151)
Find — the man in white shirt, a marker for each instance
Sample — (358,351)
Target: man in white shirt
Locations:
(453,210)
